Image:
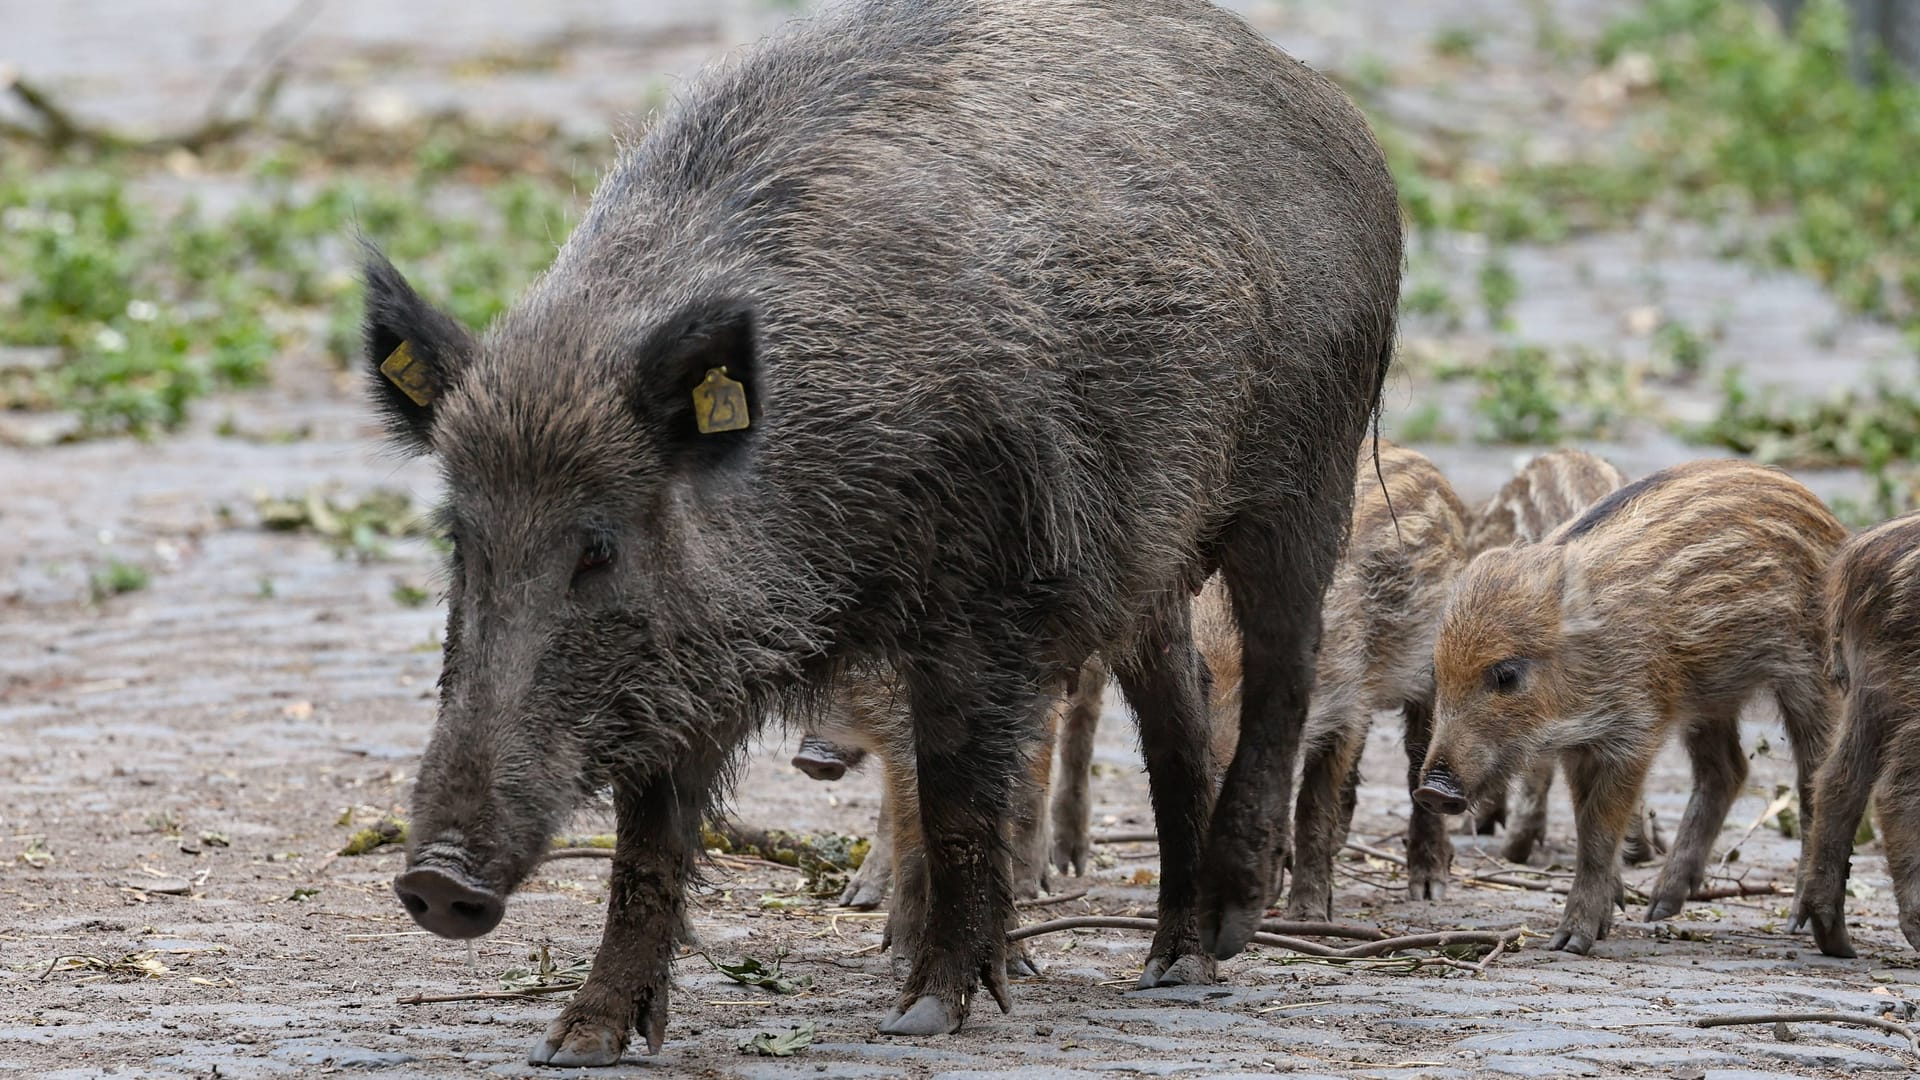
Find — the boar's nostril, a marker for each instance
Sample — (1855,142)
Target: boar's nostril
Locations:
(1440,793)
(447,904)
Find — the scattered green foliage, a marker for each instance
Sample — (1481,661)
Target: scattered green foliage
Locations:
(148,310)
(116,578)
(355,525)
(1457,42)
(1682,349)
(1761,119)
(1499,289)
(302,893)
(388,830)
(407,594)
(785,1044)
(1529,395)
(751,972)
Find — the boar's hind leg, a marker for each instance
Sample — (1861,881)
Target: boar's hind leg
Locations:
(655,836)
(1605,791)
(1072,803)
(1808,709)
(1842,787)
(1164,684)
(1719,768)
(974,722)
(1529,829)
(1328,779)
(1277,567)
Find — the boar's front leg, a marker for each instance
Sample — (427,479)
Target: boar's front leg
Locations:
(1605,792)
(973,724)
(654,842)
(1164,682)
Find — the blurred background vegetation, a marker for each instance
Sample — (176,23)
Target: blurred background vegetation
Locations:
(141,272)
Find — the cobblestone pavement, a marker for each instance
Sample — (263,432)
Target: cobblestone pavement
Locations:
(262,685)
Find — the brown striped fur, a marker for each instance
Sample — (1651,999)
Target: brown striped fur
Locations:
(1550,490)
(1658,612)
(1873,615)
(1376,652)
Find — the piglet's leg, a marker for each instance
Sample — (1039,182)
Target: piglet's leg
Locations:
(1605,793)
(1843,784)
(627,988)
(1072,801)
(1529,827)
(1719,768)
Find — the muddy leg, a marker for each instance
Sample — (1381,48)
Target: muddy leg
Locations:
(867,888)
(1604,795)
(1719,768)
(1429,848)
(1318,820)
(975,718)
(1843,785)
(1277,578)
(1899,820)
(1166,688)
(1072,806)
(1527,830)
(627,988)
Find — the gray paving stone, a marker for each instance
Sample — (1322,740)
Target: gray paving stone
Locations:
(1657,1057)
(1546,1065)
(1540,1041)
(1749,1074)
(1825,1057)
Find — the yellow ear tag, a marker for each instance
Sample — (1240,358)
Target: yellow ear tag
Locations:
(404,370)
(720,404)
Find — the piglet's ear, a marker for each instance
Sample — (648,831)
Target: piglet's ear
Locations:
(1578,615)
(415,354)
(697,384)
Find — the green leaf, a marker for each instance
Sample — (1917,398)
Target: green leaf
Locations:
(768,1044)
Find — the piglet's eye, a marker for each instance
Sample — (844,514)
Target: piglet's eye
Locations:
(596,556)
(1505,677)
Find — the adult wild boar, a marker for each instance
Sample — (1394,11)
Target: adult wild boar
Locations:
(966,336)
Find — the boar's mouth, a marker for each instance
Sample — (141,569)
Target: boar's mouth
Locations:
(442,898)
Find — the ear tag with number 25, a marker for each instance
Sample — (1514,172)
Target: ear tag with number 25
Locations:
(720,404)
(404,370)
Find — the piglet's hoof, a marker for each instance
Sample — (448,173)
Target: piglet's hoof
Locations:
(1664,908)
(1573,941)
(578,1043)
(1190,970)
(1020,965)
(926,1016)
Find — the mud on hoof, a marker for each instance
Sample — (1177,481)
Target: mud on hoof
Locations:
(1193,969)
(574,1043)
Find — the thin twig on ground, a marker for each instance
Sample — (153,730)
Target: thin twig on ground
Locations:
(1049,901)
(488,995)
(1897,1028)
(1367,950)
(1144,837)
(1548,881)
(581,853)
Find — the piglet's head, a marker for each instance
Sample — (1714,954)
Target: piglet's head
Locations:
(1498,674)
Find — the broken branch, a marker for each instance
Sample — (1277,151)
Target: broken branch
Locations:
(1382,947)
(1902,1030)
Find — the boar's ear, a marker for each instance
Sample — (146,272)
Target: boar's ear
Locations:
(1578,615)
(415,353)
(697,383)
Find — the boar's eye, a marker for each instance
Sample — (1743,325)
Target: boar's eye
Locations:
(597,556)
(1504,677)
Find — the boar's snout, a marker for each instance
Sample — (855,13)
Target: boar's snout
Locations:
(448,905)
(1440,792)
(823,760)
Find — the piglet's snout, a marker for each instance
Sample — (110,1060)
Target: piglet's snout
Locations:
(447,904)
(1440,792)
